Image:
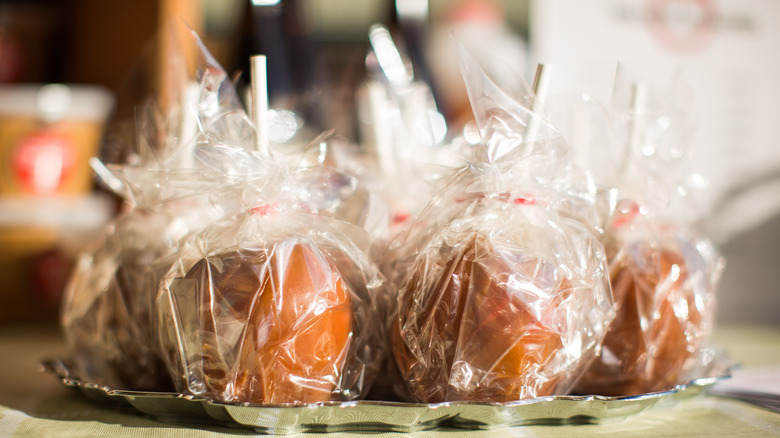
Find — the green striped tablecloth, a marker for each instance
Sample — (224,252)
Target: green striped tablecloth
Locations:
(38,405)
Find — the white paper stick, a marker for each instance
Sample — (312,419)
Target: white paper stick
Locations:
(260,101)
(382,131)
(189,125)
(638,105)
(540,88)
(636,127)
(579,138)
(541,85)
(106,176)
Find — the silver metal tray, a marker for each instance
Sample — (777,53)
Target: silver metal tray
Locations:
(369,415)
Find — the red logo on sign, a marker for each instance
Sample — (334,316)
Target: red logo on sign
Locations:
(683,25)
(42,161)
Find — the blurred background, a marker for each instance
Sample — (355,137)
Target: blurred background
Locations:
(51,207)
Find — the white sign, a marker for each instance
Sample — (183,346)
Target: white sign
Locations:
(729,52)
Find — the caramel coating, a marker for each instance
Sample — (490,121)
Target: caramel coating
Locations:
(296,317)
(468,338)
(654,332)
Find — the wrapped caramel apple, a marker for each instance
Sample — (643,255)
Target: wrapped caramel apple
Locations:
(277,303)
(108,311)
(662,281)
(291,349)
(504,293)
(663,273)
(493,317)
(274,306)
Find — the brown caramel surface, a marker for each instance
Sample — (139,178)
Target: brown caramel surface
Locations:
(296,315)
(467,338)
(647,344)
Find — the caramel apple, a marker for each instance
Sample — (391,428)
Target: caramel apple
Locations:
(659,326)
(273,325)
(108,311)
(491,327)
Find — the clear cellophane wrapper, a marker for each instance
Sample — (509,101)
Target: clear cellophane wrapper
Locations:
(663,279)
(402,130)
(503,288)
(663,272)
(273,306)
(336,180)
(108,308)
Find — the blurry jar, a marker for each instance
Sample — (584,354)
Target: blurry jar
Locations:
(47,135)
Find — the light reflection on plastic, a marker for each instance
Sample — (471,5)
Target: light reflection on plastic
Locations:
(282,125)
(438,126)
(698,181)
(680,309)
(265,2)
(675,272)
(389,58)
(575,348)
(471,133)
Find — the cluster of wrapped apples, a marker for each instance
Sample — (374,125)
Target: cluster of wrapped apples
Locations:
(243,274)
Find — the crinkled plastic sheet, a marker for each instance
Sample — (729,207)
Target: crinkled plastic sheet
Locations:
(274,306)
(503,302)
(107,313)
(663,279)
